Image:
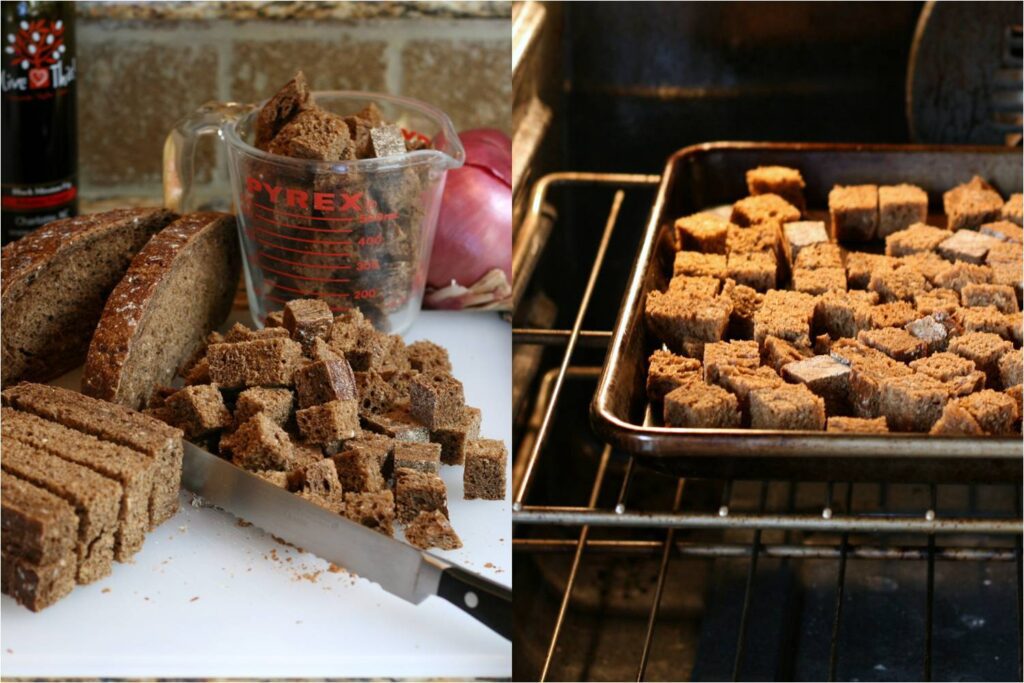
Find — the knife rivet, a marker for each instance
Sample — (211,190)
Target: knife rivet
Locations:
(472,600)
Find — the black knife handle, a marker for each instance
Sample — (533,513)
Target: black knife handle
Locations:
(487,601)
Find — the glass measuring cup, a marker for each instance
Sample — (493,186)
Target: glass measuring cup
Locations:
(357,234)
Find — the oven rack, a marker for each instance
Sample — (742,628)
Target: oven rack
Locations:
(831,531)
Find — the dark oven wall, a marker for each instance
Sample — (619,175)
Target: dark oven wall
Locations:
(644,79)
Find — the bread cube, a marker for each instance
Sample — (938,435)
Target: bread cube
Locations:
(696,264)
(701,287)
(307,319)
(278,479)
(759,270)
(417,492)
(260,362)
(835,311)
(274,319)
(329,424)
(432,530)
(819,281)
(902,283)
(763,209)
(779,180)
(454,439)
(676,318)
(944,366)
(765,237)
(802,234)
(1004,231)
(984,348)
(1011,368)
(894,342)
(261,444)
(745,303)
(967,245)
(426,356)
(786,315)
(398,424)
(1016,321)
(787,406)
(742,381)
(916,238)
(1001,296)
(436,399)
(860,266)
(324,381)
(779,352)
(853,211)
(425,457)
(971,204)
(857,425)
(900,206)
(825,376)
(198,410)
(274,403)
(892,314)
(1012,210)
(484,473)
(667,371)
(937,301)
(376,395)
(703,232)
(820,255)
(318,482)
(374,510)
(696,404)
(912,403)
(933,330)
(359,469)
(956,421)
(995,411)
(983,319)
(1016,393)
(719,355)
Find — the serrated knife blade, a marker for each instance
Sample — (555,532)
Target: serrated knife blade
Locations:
(400,569)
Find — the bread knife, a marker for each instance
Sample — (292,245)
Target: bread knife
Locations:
(400,569)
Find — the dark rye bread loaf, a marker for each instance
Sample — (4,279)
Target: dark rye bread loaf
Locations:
(178,289)
(159,442)
(55,281)
(131,469)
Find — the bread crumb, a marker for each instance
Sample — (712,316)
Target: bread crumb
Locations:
(242,523)
(334,569)
(194,599)
(105,590)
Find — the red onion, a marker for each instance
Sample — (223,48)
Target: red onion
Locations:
(471,264)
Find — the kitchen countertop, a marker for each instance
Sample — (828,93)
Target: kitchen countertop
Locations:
(210,596)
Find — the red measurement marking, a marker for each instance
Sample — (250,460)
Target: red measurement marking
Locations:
(304,265)
(303,277)
(299,251)
(300,239)
(253,216)
(340,219)
(334,309)
(278,285)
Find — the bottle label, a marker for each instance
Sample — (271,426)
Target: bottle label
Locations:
(34,59)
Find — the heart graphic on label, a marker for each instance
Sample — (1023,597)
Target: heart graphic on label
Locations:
(39,78)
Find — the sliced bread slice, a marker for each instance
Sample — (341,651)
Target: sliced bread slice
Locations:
(178,289)
(55,281)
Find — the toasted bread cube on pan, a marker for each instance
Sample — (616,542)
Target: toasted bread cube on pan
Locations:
(667,371)
(900,206)
(995,411)
(835,311)
(1004,231)
(696,404)
(937,300)
(820,255)
(696,264)
(779,180)
(802,234)
(1010,368)
(971,204)
(894,342)
(819,281)
(860,266)
(759,271)
(984,348)
(787,406)
(729,354)
(915,239)
(1013,209)
(912,403)
(779,352)
(703,232)
(762,209)
(967,245)
(1001,296)
(902,283)
(825,376)
(853,211)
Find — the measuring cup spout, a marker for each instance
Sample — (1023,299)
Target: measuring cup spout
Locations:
(180,148)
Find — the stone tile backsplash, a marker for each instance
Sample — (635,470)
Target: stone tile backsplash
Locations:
(139,75)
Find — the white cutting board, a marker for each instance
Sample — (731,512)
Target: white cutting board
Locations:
(206,597)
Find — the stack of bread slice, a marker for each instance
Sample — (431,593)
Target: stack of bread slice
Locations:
(83,481)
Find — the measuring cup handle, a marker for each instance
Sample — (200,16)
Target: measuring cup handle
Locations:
(180,148)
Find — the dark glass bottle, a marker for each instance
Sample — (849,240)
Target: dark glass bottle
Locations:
(39,146)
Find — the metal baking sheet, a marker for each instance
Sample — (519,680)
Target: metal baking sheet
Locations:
(710,175)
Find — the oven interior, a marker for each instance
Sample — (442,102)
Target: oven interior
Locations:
(638,596)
